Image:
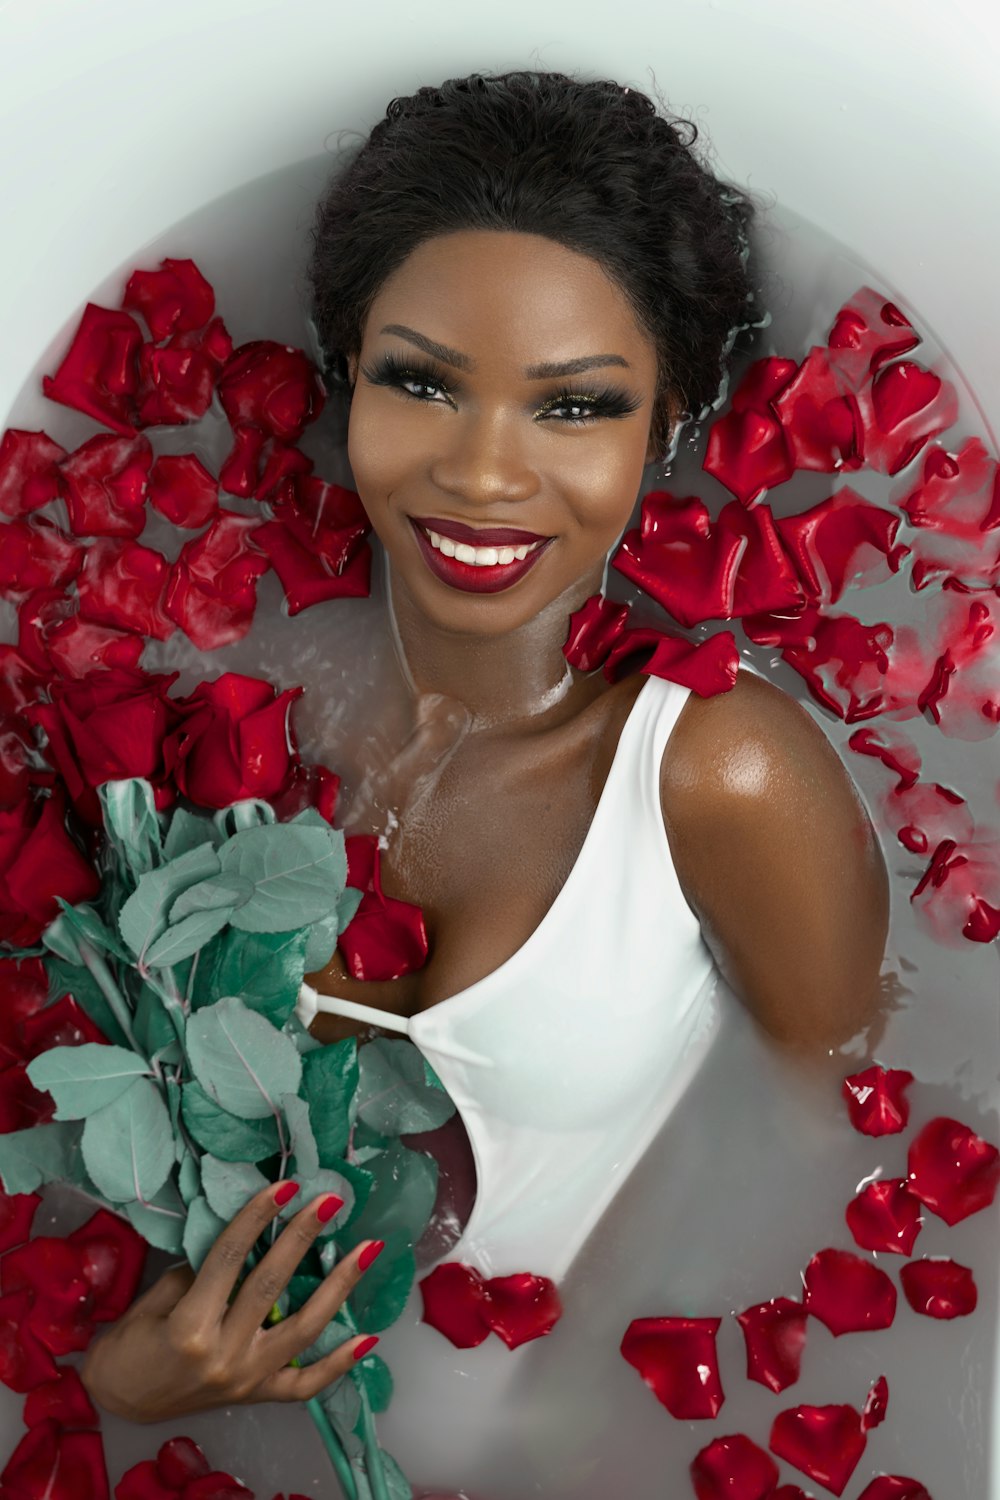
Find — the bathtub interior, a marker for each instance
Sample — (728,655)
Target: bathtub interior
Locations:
(751,1175)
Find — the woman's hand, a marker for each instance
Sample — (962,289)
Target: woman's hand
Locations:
(184,1347)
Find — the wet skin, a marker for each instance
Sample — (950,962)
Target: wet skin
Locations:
(773,848)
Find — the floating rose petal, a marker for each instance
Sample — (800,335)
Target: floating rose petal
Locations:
(843,662)
(181,1460)
(901,410)
(790,1492)
(104,485)
(521,1307)
(867,332)
(844,541)
(706,667)
(306,578)
(24,985)
(175,385)
(876,1405)
(173,299)
(876,1100)
(952,1170)
(16,1213)
(824,1442)
(894,1487)
(29,472)
(99,374)
(123,584)
(282,461)
(49,1271)
(19,683)
(925,814)
(216,1485)
(593,630)
(939,1288)
(327,519)
(893,749)
(385,939)
(60,1024)
(57,1465)
(273,386)
(182,489)
(960,889)
(25,1363)
(38,862)
(848,1294)
(112,1258)
(212,591)
(885,1216)
(454,1298)
(747,452)
(677,1359)
(76,647)
(761,383)
(775,1336)
(21,1104)
(105,727)
(62,1400)
(238,474)
(36,553)
(142,1482)
(733,1468)
(955,506)
(16,758)
(819,415)
(309,786)
(234,741)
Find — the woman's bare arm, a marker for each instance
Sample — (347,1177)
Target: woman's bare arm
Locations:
(777,857)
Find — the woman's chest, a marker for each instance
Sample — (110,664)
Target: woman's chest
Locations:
(484,850)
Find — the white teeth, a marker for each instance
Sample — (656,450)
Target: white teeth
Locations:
(479,557)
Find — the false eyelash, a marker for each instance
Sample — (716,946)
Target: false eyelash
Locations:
(611,401)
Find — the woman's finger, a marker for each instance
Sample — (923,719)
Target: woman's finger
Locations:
(205,1303)
(165,1293)
(287,1339)
(303,1384)
(271,1275)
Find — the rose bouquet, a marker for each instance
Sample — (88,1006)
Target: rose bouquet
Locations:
(206,1086)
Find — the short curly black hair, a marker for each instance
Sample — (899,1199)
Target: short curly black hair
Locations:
(591,165)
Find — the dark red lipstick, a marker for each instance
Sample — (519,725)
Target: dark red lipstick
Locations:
(466,576)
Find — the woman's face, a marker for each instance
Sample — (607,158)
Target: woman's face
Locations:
(453,422)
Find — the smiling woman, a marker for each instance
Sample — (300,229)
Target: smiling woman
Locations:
(524,286)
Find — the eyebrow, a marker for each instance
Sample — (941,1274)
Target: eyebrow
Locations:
(544,371)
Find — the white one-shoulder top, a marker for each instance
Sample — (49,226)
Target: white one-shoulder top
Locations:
(565,1062)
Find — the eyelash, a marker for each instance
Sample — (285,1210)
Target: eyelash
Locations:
(609,402)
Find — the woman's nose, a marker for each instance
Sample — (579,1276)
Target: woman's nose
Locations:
(484,463)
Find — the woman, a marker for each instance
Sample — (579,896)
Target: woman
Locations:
(525,284)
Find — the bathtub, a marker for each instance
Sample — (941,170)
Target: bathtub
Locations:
(873,126)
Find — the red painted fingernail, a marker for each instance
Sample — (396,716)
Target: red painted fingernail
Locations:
(370,1253)
(331,1204)
(285,1193)
(366,1346)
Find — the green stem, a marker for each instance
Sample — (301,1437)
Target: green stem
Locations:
(373,1453)
(331,1442)
(104,979)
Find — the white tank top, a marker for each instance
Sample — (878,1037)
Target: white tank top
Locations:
(565,1062)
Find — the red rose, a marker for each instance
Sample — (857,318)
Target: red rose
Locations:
(234,741)
(107,726)
(38,862)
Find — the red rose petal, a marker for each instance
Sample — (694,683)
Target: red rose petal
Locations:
(175,385)
(901,410)
(706,667)
(593,630)
(894,1487)
(142,1482)
(180,1460)
(885,1216)
(848,1294)
(893,749)
(16,1213)
(275,387)
(63,1400)
(733,1468)
(843,541)
(123,584)
(62,1024)
(819,415)
(183,490)
(212,591)
(19,684)
(454,1298)
(868,331)
(521,1307)
(876,1100)
(306,578)
(50,1271)
(173,299)
(748,453)
(29,474)
(775,1336)
(25,1362)
(36,553)
(38,862)
(824,1442)
(21,1104)
(385,938)
(57,1465)
(99,374)
(955,508)
(952,1170)
(677,1359)
(112,1258)
(939,1288)
(216,1485)
(104,485)
(876,1405)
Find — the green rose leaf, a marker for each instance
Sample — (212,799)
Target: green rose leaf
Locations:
(225,1135)
(302,1140)
(298,874)
(264,968)
(240,1060)
(83,922)
(144,916)
(322,940)
(397,1486)
(394,1096)
(131,823)
(381,1294)
(161,1223)
(66,979)
(85,1078)
(373,1376)
(43,1153)
(229,1185)
(342,1404)
(201,1229)
(185,937)
(189,1178)
(187,831)
(128,1146)
(401,1202)
(218,891)
(152,1027)
(324,1182)
(329,1078)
